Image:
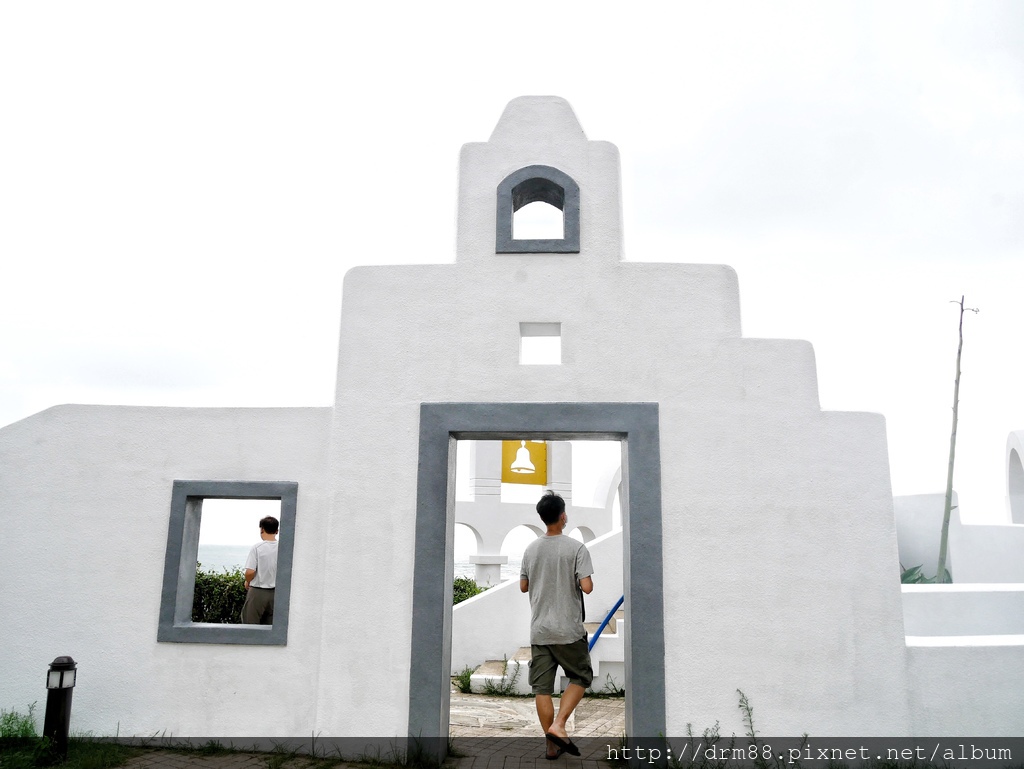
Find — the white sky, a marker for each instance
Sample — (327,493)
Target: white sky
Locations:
(183,186)
(235,521)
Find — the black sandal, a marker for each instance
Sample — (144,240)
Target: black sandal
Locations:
(566,745)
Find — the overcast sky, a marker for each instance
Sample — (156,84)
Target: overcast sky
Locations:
(183,186)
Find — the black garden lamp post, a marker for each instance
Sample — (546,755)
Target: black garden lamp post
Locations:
(60,683)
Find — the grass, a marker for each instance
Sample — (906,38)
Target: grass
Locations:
(21,747)
(83,753)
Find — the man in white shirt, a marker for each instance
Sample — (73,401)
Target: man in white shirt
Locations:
(261,576)
(556,572)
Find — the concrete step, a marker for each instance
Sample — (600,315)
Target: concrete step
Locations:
(511,676)
(491,668)
(608,655)
(612,628)
(607,658)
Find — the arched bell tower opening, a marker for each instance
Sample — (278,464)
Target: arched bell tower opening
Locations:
(538,184)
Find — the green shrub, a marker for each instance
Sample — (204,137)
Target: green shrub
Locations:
(15,726)
(464,588)
(462,680)
(914,576)
(218,596)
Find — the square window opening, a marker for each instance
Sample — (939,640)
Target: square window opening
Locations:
(540,344)
(228,530)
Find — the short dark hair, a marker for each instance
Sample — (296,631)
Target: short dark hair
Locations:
(550,507)
(269,524)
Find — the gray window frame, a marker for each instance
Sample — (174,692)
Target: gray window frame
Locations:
(175,624)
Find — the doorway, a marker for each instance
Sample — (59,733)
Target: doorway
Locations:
(497,487)
(635,425)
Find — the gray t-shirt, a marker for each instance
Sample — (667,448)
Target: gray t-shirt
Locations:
(263,558)
(554,566)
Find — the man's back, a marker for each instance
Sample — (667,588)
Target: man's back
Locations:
(554,566)
(263,558)
(556,573)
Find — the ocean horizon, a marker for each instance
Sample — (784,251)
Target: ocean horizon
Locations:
(222,557)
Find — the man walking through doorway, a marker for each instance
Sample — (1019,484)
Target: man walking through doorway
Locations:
(556,572)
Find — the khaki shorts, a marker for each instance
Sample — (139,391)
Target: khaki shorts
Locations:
(573,658)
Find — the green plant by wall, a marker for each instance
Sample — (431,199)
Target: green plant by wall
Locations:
(462,680)
(22,748)
(610,689)
(506,687)
(464,588)
(914,576)
(218,596)
(15,726)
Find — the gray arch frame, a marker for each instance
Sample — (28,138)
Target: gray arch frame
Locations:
(636,425)
(529,185)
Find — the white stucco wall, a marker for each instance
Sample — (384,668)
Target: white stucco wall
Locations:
(964,609)
(489,625)
(919,530)
(966,686)
(987,552)
(780,546)
(606,554)
(976,553)
(792,517)
(85,494)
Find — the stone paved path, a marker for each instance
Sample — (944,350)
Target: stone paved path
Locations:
(478,716)
(504,734)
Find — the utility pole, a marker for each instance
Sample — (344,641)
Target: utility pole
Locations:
(940,572)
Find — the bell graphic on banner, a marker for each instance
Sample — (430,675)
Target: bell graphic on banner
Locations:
(523,463)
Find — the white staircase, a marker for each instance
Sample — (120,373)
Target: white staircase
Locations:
(512,674)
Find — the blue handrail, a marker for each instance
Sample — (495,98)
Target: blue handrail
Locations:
(603,625)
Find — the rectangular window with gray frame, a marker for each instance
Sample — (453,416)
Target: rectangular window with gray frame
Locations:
(176,625)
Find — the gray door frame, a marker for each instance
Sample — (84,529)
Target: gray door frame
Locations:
(636,425)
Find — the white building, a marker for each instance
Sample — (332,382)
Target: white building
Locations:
(759,539)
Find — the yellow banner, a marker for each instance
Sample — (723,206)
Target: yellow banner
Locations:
(524,462)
